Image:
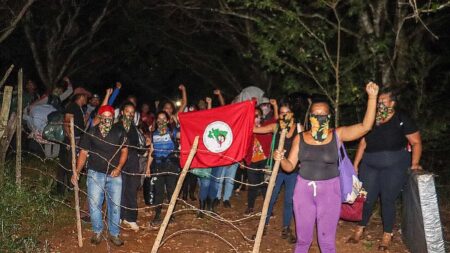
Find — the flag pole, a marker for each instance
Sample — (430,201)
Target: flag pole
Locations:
(175,194)
(268,196)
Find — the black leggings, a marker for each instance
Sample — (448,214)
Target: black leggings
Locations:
(255,177)
(383,174)
(189,185)
(163,183)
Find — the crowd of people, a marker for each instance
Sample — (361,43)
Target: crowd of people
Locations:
(123,149)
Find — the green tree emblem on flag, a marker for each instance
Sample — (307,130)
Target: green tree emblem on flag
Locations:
(218,135)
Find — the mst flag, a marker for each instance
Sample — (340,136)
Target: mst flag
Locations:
(225,134)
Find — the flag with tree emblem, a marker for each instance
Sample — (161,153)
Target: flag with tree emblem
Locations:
(225,134)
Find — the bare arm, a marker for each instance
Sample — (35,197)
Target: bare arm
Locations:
(218,93)
(122,160)
(184,99)
(274,104)
(265,129)
(359,154)
(289,164)
(416,142)
(81,161)
(68,91)
(208,103)
(354,132)
(107,96)
(66,125)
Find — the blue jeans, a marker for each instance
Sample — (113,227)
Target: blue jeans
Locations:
(99,185)
(289,180)
(209,186)
(228,174)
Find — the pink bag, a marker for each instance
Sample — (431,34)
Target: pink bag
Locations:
(353,212)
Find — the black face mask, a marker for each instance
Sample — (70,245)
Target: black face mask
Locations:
(319,126)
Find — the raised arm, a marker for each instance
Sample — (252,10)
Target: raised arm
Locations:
(289,164)
(68,91)
(218,93)
(106,99)
(115,93)
(354,132)
(208,103)
(274,104)
(359,154)
(184,100)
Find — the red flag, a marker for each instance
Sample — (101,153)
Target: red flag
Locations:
(225,134)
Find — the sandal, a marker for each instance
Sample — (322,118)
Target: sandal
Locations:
(387,238)
(357,236)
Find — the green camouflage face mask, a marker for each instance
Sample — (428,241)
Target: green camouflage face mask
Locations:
(105,125)
(383,112)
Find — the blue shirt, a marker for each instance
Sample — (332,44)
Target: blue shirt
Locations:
(163,145)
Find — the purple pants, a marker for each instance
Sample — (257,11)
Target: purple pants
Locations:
(321,201)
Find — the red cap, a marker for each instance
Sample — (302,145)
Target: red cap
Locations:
(105,108)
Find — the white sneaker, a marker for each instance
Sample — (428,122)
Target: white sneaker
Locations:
(131,225)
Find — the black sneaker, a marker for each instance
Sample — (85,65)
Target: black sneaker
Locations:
(266,227)
(227,204)
(116,240)
(285,232)
(86,219)
(96,239)
(156,222)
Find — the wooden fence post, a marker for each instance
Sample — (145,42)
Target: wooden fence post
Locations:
(4,114)
(8,72)
(19,129)
(76,188)
(175,194)
(268,196)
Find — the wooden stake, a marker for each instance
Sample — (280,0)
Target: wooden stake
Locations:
(4,114)
(268,196)
(8,72)
(175,194)
(19,129)
(6,106)
(76,188)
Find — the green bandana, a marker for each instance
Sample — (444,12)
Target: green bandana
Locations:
(383,113)
(127,122)
(105,126)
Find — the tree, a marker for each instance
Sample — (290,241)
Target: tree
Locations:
(60,33)
(323,44)
(11,12)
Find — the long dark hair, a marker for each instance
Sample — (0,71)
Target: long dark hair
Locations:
(169,126)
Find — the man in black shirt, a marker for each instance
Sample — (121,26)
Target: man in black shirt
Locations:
(106,146)
(74,111)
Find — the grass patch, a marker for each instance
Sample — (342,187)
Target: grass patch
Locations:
(28,213)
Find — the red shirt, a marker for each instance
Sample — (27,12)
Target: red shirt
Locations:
(264,139)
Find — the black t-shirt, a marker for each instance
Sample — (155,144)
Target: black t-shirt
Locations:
(390,136)
(132,164)
(78,118)
(101,150)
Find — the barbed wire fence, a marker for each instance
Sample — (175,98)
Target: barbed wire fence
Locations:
(188,208)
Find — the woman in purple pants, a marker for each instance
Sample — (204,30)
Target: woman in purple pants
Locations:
(317,194)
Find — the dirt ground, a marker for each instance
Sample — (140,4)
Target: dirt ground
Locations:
(65,240)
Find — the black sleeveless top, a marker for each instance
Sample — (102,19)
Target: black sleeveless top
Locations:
(318,162)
